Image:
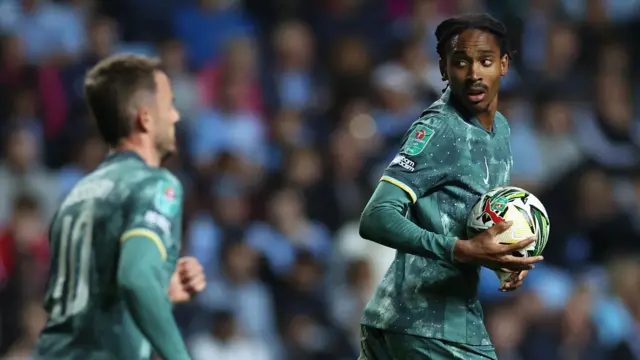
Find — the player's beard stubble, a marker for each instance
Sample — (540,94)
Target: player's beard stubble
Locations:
(166,145)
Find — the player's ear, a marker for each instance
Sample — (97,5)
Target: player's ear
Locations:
(143,120)
(443,69)
(504,65)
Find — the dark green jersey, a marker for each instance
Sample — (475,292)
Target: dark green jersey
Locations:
(446,163)
(123,198)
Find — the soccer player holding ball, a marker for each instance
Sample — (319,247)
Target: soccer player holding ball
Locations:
(426,306)
(115,240)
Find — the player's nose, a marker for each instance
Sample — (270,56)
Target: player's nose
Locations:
(177,116)
(473,75)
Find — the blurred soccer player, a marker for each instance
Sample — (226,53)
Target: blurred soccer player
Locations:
(426,306)
(115,240)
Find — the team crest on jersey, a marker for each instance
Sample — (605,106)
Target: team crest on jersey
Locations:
(417,140)
(166,201)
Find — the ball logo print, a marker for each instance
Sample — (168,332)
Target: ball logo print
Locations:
(518,206)
(494,210)
(526,213)
(499,204)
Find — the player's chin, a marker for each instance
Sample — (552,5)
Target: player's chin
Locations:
(168,151)
(477,106)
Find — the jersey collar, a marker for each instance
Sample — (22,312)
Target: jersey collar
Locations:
(454,106)
(122,155)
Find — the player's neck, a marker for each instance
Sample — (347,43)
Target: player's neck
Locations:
(486,119)
(148,155)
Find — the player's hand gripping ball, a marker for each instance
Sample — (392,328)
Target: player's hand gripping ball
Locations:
(187,280)
(528,217)
(513,281)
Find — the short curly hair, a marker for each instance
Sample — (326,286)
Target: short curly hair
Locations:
(456,25)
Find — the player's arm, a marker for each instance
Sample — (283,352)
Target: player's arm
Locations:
(142,278)
(419,166)
(384,222)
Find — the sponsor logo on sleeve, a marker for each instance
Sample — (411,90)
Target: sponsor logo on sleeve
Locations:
(403,162)
(158,220)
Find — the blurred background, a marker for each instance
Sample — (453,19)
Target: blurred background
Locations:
(291,109)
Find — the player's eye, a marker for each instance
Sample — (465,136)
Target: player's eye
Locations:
(460,63)
(486,62)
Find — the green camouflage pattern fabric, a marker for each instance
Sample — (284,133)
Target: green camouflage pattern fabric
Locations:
(385,345)
(460,162)
(123,198)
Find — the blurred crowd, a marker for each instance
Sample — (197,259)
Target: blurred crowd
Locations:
(290,111)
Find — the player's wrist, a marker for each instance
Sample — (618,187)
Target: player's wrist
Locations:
(461,251)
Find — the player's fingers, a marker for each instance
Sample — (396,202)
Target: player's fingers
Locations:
(522,275)
(189,262)
(511,265)
(511,248)
(185,259)
(194,278)
(189,276)
(509,286)
(506,286)
(514,263)
(514,282)
(193,267)
(499,228)
(197,284)
(190,267)
(517,283)
(199,278)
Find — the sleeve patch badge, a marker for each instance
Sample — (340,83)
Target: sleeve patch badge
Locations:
(417,140)
(166,201)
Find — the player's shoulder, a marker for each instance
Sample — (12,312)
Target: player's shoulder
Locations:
(434,123)
(162,174)
(430,130)
(153,178)
(161,188)
(438,117)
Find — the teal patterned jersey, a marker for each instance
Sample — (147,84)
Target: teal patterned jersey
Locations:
(445,164)
(123,198)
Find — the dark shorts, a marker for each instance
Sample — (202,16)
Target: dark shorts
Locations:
(379,344)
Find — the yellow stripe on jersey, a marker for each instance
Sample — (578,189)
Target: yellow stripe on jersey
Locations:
(402,186)
(149,235)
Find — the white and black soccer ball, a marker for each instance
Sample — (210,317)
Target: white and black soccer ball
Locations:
(517,205)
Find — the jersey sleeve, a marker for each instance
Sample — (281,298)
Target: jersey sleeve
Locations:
(155,211)
(427,153)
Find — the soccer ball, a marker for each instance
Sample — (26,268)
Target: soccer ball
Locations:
(527,214)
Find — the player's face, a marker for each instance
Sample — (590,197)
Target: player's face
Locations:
(473,68)
(166,118)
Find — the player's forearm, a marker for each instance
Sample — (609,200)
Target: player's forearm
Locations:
(383,221)
(140,279)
